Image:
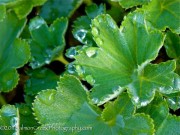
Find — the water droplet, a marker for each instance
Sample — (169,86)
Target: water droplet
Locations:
(80,35)
(71,68)
(48,52)
(90,79)
(95,31)
(95,100)
(36,23)
(47,60)
(99,41)
(35,64)
(14,121)
(91,51)
(72,52)
(48,97)
(9,82)
(80,70)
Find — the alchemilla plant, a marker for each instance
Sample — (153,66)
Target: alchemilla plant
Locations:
(90,67)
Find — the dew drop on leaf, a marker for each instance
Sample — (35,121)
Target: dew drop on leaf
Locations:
(81,34)
(48,98)
(95,31)
(80,70)
(72,52)
(99,41)
(90,79)
(9,83)
(71,68)
(95,100)
(91,52)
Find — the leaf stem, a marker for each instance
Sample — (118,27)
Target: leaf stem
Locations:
(62,60)
(2,100)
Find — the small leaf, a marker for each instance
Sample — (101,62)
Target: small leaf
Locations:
(164,14)
(9,120)
(132,3)
(172,45)
(14,52)
(53,43)
(40,79)
(54,9)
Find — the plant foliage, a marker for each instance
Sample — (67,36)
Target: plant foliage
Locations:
(87,67)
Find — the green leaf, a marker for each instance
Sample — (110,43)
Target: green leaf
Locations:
(53,43)
(153,76)
(173,100)
(68,107)
(172,45)
(132,3)
(2,11)
(14,52)
(9,120)
(122,60)
(164,14)
(165,123)
(82,29)
(53,9)
(21,7)
(69,91)
(40,79)
(28,124)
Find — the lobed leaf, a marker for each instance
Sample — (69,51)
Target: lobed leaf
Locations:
(164,14)
(14,52)
(122,60)
(53,43)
